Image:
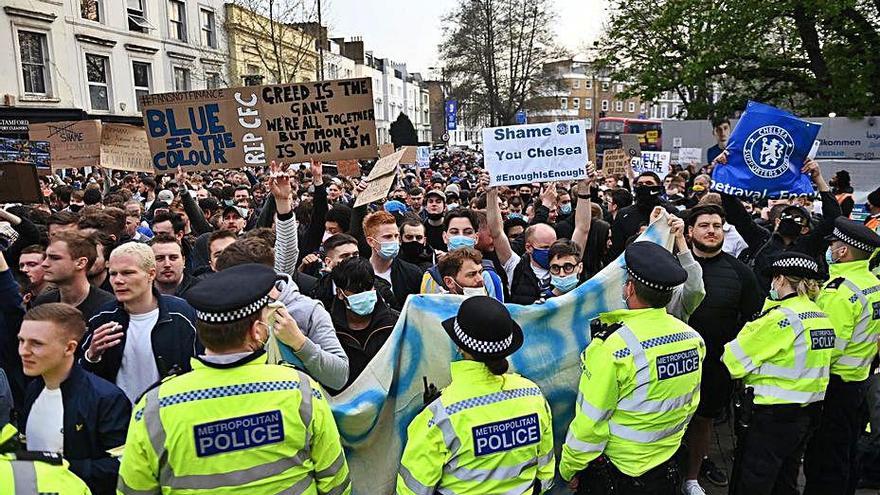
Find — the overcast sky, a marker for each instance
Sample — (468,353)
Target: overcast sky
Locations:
(410,30)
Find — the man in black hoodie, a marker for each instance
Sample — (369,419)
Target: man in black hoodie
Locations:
(648,194)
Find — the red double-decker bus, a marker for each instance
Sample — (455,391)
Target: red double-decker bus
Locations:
(609,129)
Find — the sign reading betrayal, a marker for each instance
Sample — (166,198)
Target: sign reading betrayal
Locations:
(547,152)
(251,126)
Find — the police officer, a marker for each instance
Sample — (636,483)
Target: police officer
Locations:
(234,423)
(489,432)
(851,298)
(784,358)
(34,473)
(639,387)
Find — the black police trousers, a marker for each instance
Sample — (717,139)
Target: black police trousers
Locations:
(769,449)
(830,463)
(601,477)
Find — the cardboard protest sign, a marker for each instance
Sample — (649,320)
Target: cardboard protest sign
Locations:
(410,154)
(766,151)
(19,183)
(652,161)
(23,150)
(690,156)
(380,179)
(74,144)
(125,147)
(250,126)
(632,144)
(348,168)
(423,157)
(615,162)
(535,152)
(385,150)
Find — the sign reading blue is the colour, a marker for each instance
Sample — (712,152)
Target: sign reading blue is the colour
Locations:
(549,152)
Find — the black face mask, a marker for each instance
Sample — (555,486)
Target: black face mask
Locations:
(435,216)
(411,251)
(789,228)
(75,208)
(648,195)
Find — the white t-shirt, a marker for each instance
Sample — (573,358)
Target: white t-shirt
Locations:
(45,425)
(385,275)
(138,370)
(511,263)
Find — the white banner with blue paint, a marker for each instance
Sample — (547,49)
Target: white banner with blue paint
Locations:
(766,152)
(374,412)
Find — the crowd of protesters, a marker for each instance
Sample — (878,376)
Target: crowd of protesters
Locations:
(93,280)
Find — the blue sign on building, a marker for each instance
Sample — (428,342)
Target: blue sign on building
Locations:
(451,115)
(521,117)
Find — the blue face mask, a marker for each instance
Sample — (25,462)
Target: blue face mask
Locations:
(460,241)
(829,257)
(388,250)
(565,209)
(564,284)
(362,303)
(541,257)
(515,215)
(774,294)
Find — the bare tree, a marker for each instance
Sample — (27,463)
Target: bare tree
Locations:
(494,52)
(275,38)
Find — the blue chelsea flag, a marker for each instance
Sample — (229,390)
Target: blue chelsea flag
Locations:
(766,152)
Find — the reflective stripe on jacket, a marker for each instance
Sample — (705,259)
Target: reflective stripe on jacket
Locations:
(637,393)
(486,434)
(784,354)
(246,427)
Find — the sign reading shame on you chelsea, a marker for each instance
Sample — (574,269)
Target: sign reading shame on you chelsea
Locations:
(549,152)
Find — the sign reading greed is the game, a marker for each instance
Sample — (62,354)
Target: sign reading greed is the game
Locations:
(536,152)
(251,126)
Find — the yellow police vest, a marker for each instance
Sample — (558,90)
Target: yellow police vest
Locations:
(247,427)
(639,388)
(34,478)
(485,434)
(852,301)
(785,353)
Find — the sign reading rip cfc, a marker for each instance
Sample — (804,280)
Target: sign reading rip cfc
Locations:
(546,152)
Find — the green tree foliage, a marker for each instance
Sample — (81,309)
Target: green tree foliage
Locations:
(493,53)
(403,133)
(810,56)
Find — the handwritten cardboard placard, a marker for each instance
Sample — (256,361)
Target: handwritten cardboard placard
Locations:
(385,150)
(410,155)
(380,179)
(250,126)
(690,156)
(19,183)
(348,168)
(652,161)
(631,143)
(74,144)
(545,152)
(125,147)
(614,162)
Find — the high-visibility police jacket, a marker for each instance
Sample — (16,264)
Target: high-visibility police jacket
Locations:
(785,353)
(851,299)
(485,434)
(243,427)
(639,388)
(26,477)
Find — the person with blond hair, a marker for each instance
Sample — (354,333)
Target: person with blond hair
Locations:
(143,336)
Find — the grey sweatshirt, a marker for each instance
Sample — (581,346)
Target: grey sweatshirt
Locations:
(688,296)
(322,356)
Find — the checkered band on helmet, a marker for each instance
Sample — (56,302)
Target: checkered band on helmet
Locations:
(481,346)
(864,246)
(796,262)
(235,315)
(647,283)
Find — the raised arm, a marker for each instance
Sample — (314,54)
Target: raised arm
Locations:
(197,220)
(583,215)
(315,230)
(496,226)
(286,238)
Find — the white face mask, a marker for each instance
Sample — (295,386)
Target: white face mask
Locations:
(473,291)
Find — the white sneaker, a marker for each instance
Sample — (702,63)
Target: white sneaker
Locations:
(692,487)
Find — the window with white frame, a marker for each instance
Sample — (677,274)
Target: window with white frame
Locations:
(34,50)
(137,20)
(632,107)
(675,110)
(605,85)
(142,82)
(209,28)
(97,74)
(589,122)
(563,103)
(576,103)
(604,105)
(212,80)
(664,112)
(588,103)
(576,84)
(91,10)
(588,84)
(618,106)
(619,88)
(177,19)
(181,79)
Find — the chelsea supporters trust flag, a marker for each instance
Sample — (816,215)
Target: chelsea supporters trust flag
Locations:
(766,152)
(374,412)
(546,152)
